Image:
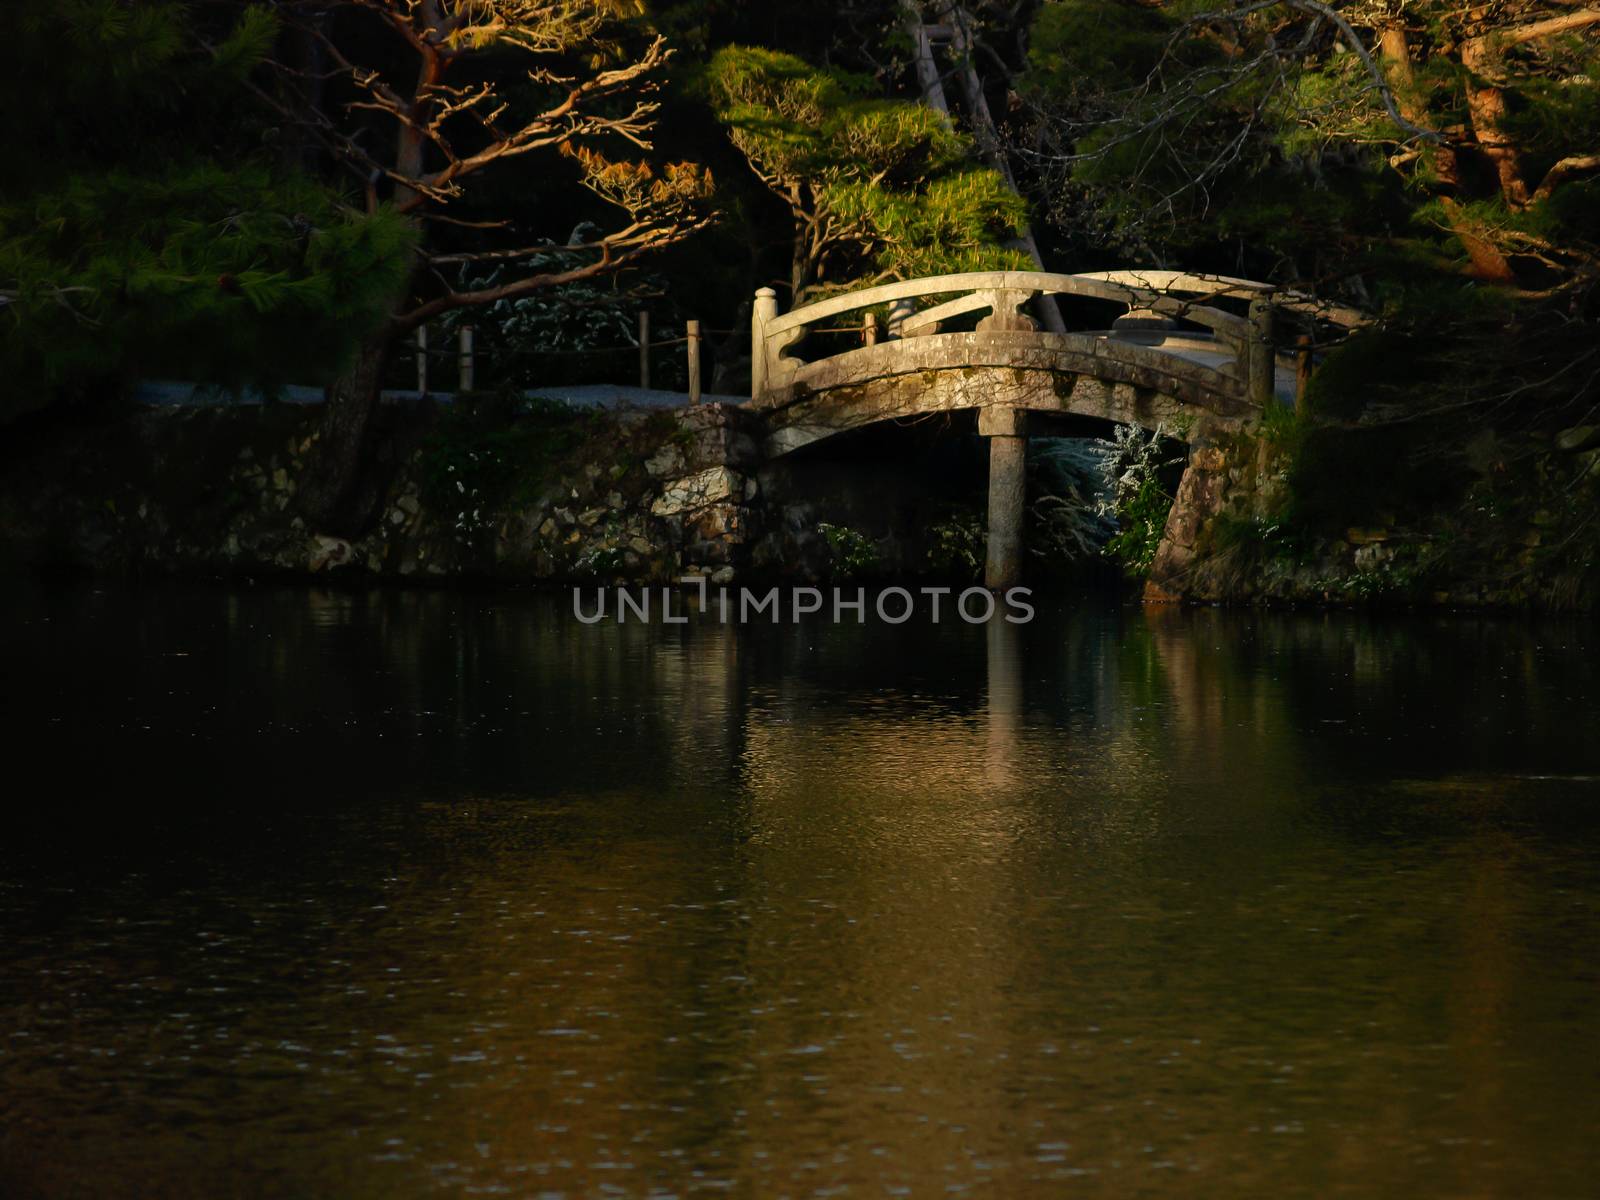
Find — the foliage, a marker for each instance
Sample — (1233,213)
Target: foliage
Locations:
(482,457)
(460,91)
(128,250)
(1364,476)
(1260,538)
(567,333)
(1136,462)
(881,189)
(852,551)
(1067,482)
(1320,148)
(1142,120)
(958,544)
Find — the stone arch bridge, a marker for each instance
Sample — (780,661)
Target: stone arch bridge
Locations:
(1197,355)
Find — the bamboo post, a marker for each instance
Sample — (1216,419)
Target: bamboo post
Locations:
(466,364)
(422,360)
(692,342)
(644,348)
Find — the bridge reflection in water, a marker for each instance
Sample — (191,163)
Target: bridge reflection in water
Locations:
(452,889)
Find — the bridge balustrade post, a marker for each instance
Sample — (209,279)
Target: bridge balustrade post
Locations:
(1005,312)
(1261,383)
(762,313)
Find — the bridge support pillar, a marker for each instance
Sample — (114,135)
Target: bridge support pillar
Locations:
(1007,431)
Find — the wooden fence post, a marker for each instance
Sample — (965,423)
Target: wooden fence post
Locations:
(644,348)
(1261,367)
(1302,366)
(692,343)
(422,360)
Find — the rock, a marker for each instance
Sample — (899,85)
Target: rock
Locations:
(396,517)
(751,488)
(614,499)
(328,552)
(590,516)
(564,517)
(721,576)
(696,491)
(1207,458)
(548,529)
(717,552)
(640,545)
(715,434)
(665,462)
(1579,437)
(719,522)
(280,479)
(1370,556)
(408,505)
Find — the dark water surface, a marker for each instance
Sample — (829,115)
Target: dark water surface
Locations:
(313,894)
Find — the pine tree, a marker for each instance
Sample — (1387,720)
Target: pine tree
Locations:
(1432,137)
(877,188)
(145,229)
(557,91)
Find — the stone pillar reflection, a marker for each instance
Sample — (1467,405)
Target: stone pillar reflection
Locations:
(1002,702)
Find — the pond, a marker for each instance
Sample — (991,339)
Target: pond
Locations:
(387,893)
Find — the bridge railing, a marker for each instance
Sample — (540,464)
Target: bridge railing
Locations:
(1245,339)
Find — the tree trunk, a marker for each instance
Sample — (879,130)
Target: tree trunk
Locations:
(1488,263)
(1486,105)
(1396,56)
(330,494)
(300,150)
